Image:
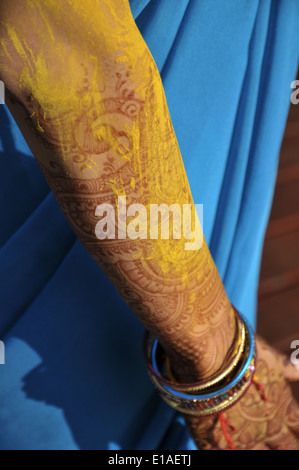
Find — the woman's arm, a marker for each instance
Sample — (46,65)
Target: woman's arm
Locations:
(87,95)
(91,105)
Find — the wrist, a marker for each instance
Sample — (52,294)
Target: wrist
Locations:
(206,351)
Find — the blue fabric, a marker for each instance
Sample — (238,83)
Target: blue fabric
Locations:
(74,376)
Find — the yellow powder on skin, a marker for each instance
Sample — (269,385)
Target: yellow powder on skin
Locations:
(132,183)
(61,86)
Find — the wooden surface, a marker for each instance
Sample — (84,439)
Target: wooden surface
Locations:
(278,300)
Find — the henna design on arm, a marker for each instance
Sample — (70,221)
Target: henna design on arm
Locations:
(108,133)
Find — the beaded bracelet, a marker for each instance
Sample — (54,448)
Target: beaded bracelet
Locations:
(214,399)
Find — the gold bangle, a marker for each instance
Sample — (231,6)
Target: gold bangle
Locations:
(216,398)
(231,361)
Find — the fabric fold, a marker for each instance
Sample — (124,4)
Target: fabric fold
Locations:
(75,377)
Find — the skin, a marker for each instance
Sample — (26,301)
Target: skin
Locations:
(259,425)
(88,98)
(85,105)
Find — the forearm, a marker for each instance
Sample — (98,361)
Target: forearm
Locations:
(99,127)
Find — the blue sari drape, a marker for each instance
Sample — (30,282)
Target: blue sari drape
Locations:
(74,376)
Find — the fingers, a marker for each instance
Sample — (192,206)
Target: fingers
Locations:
(290,370)
(284,441)
(260,446)
(292,417)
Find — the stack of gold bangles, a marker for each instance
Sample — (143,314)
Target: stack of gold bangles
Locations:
(218,392)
